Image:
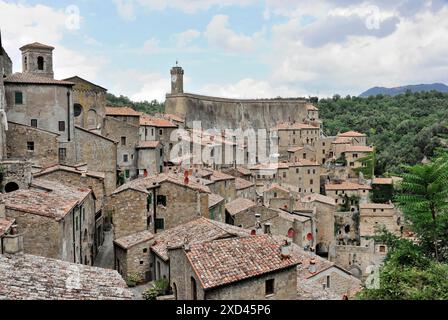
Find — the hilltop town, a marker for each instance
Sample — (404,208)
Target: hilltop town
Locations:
(99,201)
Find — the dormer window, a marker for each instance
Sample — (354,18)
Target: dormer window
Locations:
(40,63)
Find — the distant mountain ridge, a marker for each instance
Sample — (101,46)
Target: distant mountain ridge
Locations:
(400,90)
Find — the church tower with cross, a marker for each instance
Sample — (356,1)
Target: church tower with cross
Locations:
(177,79)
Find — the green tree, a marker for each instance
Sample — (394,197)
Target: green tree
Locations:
(423,197)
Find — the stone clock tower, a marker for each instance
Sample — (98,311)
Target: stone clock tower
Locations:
(177,80)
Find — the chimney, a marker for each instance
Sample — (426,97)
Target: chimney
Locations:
(312,266)
(286,250)
(13,243)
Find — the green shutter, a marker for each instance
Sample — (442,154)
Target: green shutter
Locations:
(19,97)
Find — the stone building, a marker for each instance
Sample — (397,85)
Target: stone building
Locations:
(17,174)
(320,279)
(354,155)
(130,251)
(33,144)
(158,129)
(89,106)
(7,227)
(307,152)
(325,208)
(132,255)
(98,152)
(57,221)
(35,98)
(292,135)
(375,216)
(245,189)
(355,193)
(256,268)
(216,207)
(5,71)
(156,203)
(57,280)
(150,158)
(356,138)
(80,177)
(223,184)
(122,125)
(237,208)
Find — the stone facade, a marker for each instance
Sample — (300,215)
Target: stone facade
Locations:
(17,175)
(375,216)
(97,152)
(89,104)
(36,145)
(149,159)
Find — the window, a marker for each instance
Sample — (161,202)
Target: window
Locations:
(62,154)
(141,262)
(270,287)
(382,249)
(161,153)
(145,250)
(284,174)
(18,97)
(148,202)
(30,145)
(26,63)
(127,174)
(77,110)
(123,141)
(34,123)
(328,284)
(311,181)
(160,224)
(161,132)
(297,170)
(125,158)
(267,229)
(61,125)
(161,200)
(304,156)
(152,132)
(275,194)
(355,155)
(40,63)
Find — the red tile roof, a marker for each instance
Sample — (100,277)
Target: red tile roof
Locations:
(146,120)
(241,184)
(46,198)
(148,144)
(36,45)
(351,134)
(93,174)
(134,239)
(5,225)
(198,230)
(122,111)
(376,206)
(222,262)
(383,181)
(214,199)
(239,205)
(295,149)
(319,198)
(346,186)
(29,78)
(359,149)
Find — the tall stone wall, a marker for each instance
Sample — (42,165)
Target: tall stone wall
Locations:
(224,113)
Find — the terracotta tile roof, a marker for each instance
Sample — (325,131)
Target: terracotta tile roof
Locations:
(46,198)
(383,181)
(5,225)
(376,206)
(122,111)
(29,78)
(93,174)
(220,176)
(198,230)
(244,171)
(295,126)
(346,186)
(319,198)
(270,166)
(172,117)
(222,262)
(143,184)
(214,199)
(295,149)
(359,149)
(351,134)
(148,144)
(239,205)
(36,45)
(146,120)
(241,184)
(27,277)
(134,239)
(276,186)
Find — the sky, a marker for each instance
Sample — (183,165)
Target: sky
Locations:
(236,48)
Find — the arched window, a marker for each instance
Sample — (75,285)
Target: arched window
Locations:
(11,187)
(40,63)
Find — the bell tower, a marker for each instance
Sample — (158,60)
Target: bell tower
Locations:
(177,80)
(37,59)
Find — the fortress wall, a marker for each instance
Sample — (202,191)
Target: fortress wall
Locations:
(224,113)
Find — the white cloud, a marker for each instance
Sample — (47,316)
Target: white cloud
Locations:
(182,39)
(23,23)
(219,35)
(125,9)
(151,46)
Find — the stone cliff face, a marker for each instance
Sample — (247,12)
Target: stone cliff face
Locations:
(223,113)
